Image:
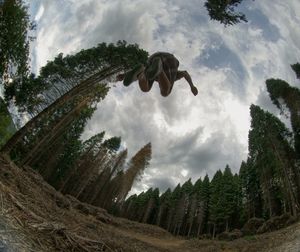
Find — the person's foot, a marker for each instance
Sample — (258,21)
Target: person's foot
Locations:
(194,90)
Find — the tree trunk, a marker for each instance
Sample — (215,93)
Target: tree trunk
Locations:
(49,165)
(178,229)
(96,78)
(118,163)
(158,219)
(288,183)
(199,229)
(92,172)
(227,227)
(190,228)
(38,149)
(169,221)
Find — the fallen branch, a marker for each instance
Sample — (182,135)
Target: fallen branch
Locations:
(48,226)
(24,209)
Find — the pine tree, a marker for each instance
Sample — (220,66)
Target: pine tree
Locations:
(95,167)
(29,144)
(141,205)
(281,93)
(237,217)
(181,206)
(7,127)
(224,200)
(150,208)
(229,193)
(54,162)
(136,166)
(66,153)
(164,208)
(99,192)
(89,149)
(92,145)
(128,207)
(270,152)
(216,207)
(193,204)
(296,68)
(15,26)
(112,192)
(175,196)
(203,206)
(224,11)
(251,190)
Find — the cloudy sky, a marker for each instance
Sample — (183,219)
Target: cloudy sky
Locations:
(191,136)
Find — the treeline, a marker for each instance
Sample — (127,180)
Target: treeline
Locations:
(268,183)
(100,174)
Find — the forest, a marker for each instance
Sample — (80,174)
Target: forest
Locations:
(267,185)
(63,97)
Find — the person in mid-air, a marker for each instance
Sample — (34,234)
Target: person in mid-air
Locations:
(161,67)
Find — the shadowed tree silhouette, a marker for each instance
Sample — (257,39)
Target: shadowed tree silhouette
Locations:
(224,11)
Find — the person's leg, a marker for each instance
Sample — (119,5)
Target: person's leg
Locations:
(185,74)
(164,84)
(144,84)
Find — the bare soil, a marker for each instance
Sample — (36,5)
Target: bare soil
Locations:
(35,217)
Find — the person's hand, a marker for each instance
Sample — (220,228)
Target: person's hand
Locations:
(120,77)
(194,90)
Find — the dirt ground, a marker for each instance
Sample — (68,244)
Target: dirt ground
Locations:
(34,217)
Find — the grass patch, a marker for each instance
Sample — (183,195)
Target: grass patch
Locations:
(250,238)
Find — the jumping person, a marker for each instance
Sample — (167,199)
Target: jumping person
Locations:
(161,67)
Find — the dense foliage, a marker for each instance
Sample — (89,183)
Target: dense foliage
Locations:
(73,73)
(15,26)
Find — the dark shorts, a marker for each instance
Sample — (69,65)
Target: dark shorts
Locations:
(169,65)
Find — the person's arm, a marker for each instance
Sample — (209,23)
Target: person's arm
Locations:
(131,75)
(185,74)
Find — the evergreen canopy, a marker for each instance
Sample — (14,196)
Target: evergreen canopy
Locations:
(224,11)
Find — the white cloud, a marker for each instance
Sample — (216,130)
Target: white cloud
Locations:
(191,136)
